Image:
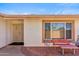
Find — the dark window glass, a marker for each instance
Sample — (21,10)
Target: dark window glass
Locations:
(47,30)
(47,26)
(68,30)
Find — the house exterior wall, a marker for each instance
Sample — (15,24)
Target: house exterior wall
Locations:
(9,33)
(76,28)
(32,32)
(2,32)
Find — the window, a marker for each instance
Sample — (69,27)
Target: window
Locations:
(68,30)
(55,30)
(47,30)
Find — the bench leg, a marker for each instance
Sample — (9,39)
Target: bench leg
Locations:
(74,51)
(62,51)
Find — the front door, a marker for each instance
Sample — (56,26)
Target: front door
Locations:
(18,32)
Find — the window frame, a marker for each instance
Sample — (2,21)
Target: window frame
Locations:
(72,31)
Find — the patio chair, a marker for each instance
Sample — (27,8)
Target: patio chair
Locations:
(77,43)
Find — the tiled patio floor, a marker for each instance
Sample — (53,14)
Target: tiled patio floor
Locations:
(48,51)
(18,50)
(11,51)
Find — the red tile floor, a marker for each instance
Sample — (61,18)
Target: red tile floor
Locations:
(47,51)
(19,50)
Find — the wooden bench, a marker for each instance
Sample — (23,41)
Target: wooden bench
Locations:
(69,47)
(64,44)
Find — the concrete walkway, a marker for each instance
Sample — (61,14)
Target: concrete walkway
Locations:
(11,51)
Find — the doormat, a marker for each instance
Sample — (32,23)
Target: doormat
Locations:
(17,43)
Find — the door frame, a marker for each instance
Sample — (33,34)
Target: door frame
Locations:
(22,23)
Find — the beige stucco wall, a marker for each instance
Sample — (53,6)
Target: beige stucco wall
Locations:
(9,36)
(2,33)
(32,32)
(5,32)
(76,29)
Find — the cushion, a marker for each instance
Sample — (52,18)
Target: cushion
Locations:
(60,42)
